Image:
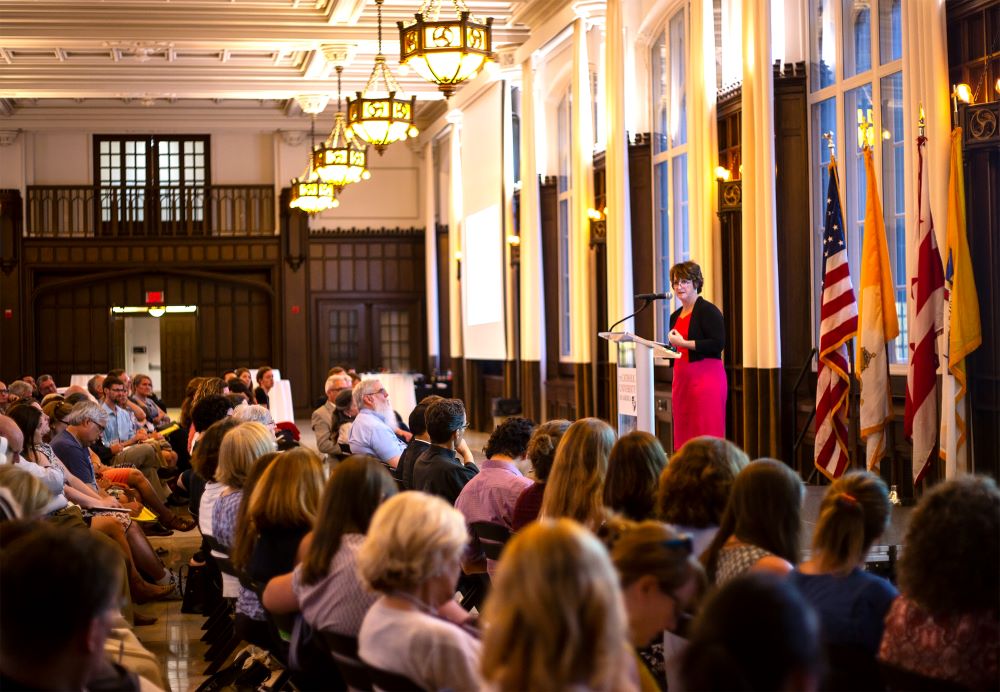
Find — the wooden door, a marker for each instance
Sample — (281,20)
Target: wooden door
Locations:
(342,336)
(178,339)
(395,328)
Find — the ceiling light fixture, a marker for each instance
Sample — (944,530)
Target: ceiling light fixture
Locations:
(341,160)
(378,116)
(446,51)
(309,192)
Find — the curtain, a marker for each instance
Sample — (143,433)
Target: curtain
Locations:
(455,215)
(532,306)
(619,218)
(582,167)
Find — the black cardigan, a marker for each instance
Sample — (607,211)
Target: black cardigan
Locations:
(707,329)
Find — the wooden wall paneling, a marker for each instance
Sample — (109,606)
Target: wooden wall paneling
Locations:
(292,310)
(605,403)
(531,389)
(641,207)
(14,360)
(178,333)
(444,304)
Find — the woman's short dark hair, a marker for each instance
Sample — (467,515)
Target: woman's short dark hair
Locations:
(209,410)
(444,418)
(687,271)
(510,438)
(695,485)
(542,446)
(754,634)
(261,371)
(205,456)
(951,563)
(633,472)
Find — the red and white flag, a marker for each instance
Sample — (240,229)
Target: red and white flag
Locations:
(925,304)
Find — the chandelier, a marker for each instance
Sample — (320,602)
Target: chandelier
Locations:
(446,51)
(309,192)
(341,160)
(377,116)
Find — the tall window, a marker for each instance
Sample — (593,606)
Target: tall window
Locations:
(670,198)
(564,134)
(160,177)
(861,72)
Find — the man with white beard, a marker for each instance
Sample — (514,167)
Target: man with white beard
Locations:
(374,430)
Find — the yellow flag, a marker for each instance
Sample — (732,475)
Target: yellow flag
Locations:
(877,322)
(962,329)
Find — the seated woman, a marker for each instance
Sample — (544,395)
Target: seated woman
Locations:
(694,487)
(325,585)
(755,633)
(851,603)
(633,472)
(105,514)
(555,617)
(541,453)
(412,556)
(278,510)
(142,396)
(239,451)
(945,624)
(660,581)
(760,527)
(575,488)
(265,383)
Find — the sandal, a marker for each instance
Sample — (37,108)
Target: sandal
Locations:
(180,523)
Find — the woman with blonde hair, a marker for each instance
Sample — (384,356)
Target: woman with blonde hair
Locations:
(33,498)
(276,513)
(555,615)
(412,555)
(660,581)
(851,603)
(240,449)
(575,488)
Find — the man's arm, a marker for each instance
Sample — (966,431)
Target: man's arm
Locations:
(323,427)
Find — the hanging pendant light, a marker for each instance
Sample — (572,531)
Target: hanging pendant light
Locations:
(309,192)
(377,115)
(341,160)
(446,51)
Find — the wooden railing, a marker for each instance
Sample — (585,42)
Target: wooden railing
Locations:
(150,211)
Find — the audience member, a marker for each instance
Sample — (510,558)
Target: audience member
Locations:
(945,625)
(53,638)
(123,436)
(32,497)
(95,387)
(265,382)
(205,463)
(634,468)
(323,419)
(541,453)
(490,495)
(19,390)
(412,556)
(143,397)
(439,470)
(325,585)
(373,431)
(418,444)
(555,616)
(761,525)
(660,582)
(694,487)
(755,633)
(575,488)
(255,413)
(47,385)
(851,603)
(243,374)
(238,387)
(277,512)
(4,397)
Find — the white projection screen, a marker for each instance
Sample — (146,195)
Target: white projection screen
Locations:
(483,321)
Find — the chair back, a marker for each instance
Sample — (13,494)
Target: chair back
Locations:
(385,681)
(491,537)
(896,678)
(344,651)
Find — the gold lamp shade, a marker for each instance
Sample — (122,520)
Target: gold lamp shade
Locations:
(381,120)
(312,195)
(446,51)
(341,160)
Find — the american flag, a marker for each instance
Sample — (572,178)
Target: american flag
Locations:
(925,305)
(838,324)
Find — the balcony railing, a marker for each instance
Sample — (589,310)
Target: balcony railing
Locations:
(150,211)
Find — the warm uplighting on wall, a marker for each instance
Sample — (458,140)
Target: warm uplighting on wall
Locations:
(722,174)
(997,85)
(962,92)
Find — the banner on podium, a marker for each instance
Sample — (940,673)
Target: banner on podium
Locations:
(628,404)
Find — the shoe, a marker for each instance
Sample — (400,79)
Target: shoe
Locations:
(155,528)
(179,523)
(161,552)
(175,500)
(168,472)
(151,592)
(140,620)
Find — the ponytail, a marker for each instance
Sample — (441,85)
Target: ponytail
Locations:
(854,512)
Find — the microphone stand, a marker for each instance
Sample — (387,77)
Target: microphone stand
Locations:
(645,305)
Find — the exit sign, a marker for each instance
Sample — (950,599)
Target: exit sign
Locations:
(154,298)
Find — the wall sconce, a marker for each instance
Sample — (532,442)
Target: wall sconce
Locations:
(722,174)
(596,215)
(513,240)
(997,85)
(598,226)
(962,92)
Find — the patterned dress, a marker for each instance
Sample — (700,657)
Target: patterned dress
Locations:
(736,561)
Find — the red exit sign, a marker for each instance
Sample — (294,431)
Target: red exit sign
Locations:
(154,298)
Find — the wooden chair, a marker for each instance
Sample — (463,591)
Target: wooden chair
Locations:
(491,537)
(344,651)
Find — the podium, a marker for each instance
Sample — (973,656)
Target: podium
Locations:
(636,400)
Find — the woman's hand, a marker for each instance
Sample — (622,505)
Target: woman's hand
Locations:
(676,340)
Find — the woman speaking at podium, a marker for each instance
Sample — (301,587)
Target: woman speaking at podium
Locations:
(699,333)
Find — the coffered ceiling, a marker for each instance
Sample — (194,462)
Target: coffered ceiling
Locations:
(221,54)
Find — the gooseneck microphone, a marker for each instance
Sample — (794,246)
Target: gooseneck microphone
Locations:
(654,296)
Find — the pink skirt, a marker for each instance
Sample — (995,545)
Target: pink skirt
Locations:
(699,399)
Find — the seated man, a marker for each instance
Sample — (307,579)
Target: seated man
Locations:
(439,470)
(46,385)
(492,494)
(324,416)
(374,430)
(35,654)
(123,436)
(3,397)
(19,390)
(421,441)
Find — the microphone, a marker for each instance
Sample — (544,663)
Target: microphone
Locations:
(654,296)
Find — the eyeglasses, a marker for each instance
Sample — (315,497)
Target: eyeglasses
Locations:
(118,390)
(678,282)
(99,426)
